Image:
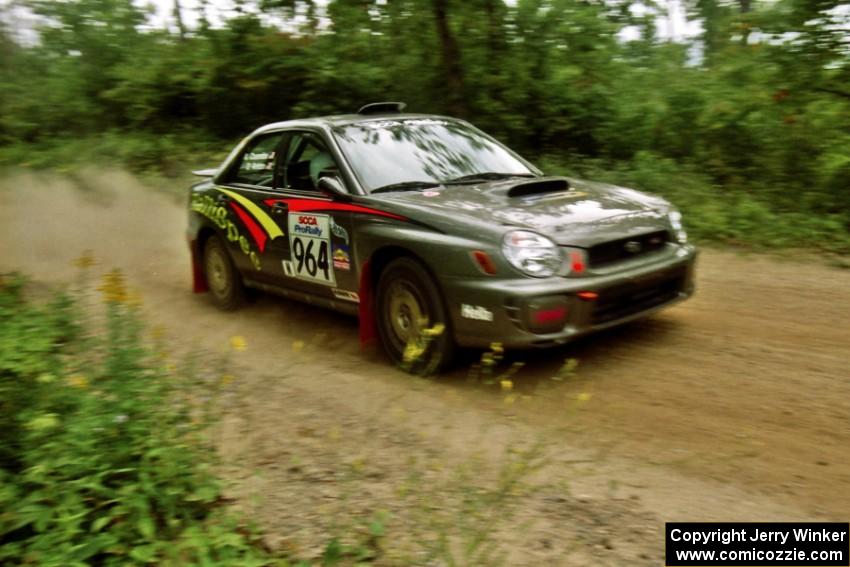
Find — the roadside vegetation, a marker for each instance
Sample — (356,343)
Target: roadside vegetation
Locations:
(745,126)
(104,448)
(108,454)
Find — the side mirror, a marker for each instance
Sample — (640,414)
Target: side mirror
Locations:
(333,187)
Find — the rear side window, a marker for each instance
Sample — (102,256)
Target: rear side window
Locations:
(256,164)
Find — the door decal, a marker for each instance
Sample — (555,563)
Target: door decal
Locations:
(309,205)
(264,219)
(253,228)
(310,245)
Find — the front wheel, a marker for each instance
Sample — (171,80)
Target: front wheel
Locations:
(413,322)
(223,280)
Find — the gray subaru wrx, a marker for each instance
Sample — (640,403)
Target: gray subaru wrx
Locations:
(433,233)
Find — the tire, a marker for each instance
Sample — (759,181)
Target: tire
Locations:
(224,282)
(406,294)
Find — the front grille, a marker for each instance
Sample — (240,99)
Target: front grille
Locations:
(626,248)
(629,299)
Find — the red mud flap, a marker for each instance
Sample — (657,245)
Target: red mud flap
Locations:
(199,280)
(367,308)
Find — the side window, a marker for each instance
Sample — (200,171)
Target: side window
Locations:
(307,160)
(256,165)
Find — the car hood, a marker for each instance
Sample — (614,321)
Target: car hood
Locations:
(570,211)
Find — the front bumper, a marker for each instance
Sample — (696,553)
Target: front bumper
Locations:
(528,312)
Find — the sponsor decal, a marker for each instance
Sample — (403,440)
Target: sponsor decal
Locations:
(310,243)
(260,226)
(339,231)
(475,312)
(208,207)
(342,258)
(346,295)
(308,225)
(261,161)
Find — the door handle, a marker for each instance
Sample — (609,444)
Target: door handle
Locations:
(279,208)
(221,198)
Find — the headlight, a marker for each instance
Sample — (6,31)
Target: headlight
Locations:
(531,253)
(676,222)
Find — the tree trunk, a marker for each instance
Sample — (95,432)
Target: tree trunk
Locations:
(178,16)
(450,58)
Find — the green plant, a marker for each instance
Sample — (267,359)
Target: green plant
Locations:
(103,455)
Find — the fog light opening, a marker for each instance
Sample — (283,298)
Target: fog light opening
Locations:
(549,316)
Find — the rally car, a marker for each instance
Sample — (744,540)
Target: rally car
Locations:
(433,233)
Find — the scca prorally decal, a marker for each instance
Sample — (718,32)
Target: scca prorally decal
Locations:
(310,243)
(208,207)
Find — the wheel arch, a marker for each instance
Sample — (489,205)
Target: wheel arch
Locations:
(370,273)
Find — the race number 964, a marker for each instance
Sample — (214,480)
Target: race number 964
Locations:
(309,240)
(309,260)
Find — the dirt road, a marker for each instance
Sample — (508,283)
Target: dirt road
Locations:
(732,406)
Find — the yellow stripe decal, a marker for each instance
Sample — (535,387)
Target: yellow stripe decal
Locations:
(268,223)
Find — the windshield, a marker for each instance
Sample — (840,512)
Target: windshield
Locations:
(387,153)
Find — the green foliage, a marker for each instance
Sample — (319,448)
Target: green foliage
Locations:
(714,212)
(102,453)
(755,112)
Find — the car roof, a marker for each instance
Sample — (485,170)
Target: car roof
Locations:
(348,119)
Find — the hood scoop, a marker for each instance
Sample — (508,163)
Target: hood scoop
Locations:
(539,187)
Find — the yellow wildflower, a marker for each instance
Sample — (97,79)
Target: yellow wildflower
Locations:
(434,331)
(227,379)
(44,421)
(45,378)
(86,260)
(298,346)
(507,385)
(237,342)
(78,381)
(113,287)
(510,399)
(584,397)
(412,352)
